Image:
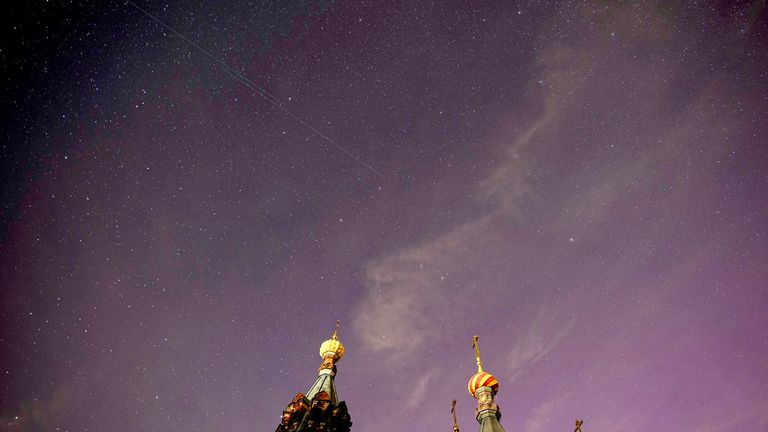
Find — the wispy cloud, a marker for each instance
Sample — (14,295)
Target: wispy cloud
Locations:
(420,390)
(541,417)
(541,337)
(406,301)
(409,303)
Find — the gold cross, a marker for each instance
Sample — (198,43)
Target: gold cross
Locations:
(453,411)
(477,355)
(578,425)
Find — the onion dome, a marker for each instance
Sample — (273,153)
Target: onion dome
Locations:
(333,346)
(481,378)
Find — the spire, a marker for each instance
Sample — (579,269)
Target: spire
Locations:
(483,387)
(331,351)
(477,355)
(319,409)
(578,425)
(455,422)
(481,378)
(335,335)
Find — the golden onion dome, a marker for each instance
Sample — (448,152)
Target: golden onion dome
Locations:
(333,346)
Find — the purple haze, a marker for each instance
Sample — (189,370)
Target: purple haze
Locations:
(585,186)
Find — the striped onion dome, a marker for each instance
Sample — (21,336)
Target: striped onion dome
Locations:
(482,379)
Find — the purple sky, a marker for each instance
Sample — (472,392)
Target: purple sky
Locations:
(582,184)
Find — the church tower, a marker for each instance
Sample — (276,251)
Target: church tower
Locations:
(319,409)
(483,387)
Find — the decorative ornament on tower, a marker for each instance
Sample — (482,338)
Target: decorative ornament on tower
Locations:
(320,410)
(483,387)
(455,422)
(332,350)
(481,378)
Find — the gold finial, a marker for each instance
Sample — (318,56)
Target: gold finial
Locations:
(578,425)
(455,422)
(477,355)
(335,335)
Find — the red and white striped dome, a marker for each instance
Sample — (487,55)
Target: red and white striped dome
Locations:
(482,379)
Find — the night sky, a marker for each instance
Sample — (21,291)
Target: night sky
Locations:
(584,185)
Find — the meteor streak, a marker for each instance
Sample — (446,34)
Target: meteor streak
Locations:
(273,100)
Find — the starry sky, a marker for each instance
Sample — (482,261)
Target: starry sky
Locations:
(187,210)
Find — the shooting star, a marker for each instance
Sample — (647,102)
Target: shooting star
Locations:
(273,100)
